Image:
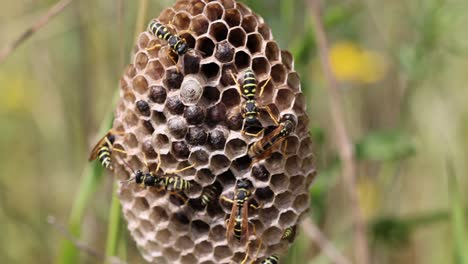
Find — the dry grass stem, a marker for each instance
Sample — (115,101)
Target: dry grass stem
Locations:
(314,233)
(53,11)
(345,146)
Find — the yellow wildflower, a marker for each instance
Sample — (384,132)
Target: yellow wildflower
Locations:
(350,63)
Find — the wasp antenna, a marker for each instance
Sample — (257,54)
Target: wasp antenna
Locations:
(128,165)
(128,181)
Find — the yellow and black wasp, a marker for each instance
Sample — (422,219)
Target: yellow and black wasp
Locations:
(289,234)
(250,110)
(177,44)
(103,149)
(238,222)
(167,181)
(271,260)
(209,194)
(267,144)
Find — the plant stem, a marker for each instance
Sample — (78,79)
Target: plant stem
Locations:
(40,23)
(345,146)
(113,230)
(91,179)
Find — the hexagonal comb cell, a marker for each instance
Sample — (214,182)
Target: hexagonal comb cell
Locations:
(191,114)
(249,23)
(232,17)
(181,21)
(218,31)
(206,46)
(237,37)
(199,25)
(214,11)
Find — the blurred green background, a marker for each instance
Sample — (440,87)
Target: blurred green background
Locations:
(402,70)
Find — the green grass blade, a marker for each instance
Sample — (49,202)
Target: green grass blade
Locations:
(457,217)
(113,230)
(91,179)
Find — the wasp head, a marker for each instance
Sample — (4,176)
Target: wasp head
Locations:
(139,176)
(244,184)
(111,138)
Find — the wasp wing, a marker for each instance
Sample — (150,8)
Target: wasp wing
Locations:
(97,147)
(245,223)
(267,144)
(231,224)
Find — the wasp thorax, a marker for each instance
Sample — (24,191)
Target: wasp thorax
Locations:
(184,105)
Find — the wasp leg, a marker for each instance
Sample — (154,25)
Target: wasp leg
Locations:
(190,31)
(263,86)
(181,170)
(258,250)
(256,207)
(171,57)
(116,132)
(246,254)
(237,83)
(268,110)
(243,131)
(284,147)
(171,26)
(108,142)
(238,86)
(119,150)
(178,195)
(159,163)
(252,134)
(154,47)
(224,198)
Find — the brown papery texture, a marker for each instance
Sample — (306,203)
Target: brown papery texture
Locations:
(186,115)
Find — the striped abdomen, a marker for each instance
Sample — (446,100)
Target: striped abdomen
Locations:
(175,183)
(249,85)
(289,233)
(238,224)
(271,260)
(159,30)
(209,195)
(104,155)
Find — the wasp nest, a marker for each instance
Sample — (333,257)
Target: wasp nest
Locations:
(187,114)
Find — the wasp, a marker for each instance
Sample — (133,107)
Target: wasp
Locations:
(177,44)
(267,144)
(103,149)
(250,110)
(238,222)
(289,233)
(273,259)
(167,181)
(209,194)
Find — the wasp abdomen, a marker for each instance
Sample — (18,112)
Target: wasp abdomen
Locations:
(271,260)
(249,86)
(209,195)
(104,155)
(175,183)
(160,30)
